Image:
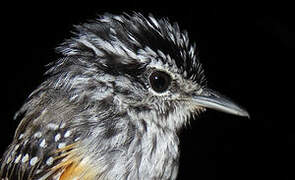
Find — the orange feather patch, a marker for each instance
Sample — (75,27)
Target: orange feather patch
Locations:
(73,166)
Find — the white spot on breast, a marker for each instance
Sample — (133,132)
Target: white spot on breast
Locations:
(17,159)
(57,137)
(43,144)
(16,147)
(8,160)
(49,161)
(38,134)
(67,134)
(61,145)
(33,161)
(25,158)
(52,126)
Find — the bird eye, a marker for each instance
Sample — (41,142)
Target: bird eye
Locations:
(160,81)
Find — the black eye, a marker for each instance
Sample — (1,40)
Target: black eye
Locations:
(160,81)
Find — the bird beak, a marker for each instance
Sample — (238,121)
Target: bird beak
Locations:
(213,100)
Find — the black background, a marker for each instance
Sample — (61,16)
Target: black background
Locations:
(247,52)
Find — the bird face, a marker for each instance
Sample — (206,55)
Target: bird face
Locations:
(169,98)
(142,66)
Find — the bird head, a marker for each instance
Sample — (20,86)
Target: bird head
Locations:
(145,67)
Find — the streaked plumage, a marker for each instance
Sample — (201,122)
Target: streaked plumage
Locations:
(99,115)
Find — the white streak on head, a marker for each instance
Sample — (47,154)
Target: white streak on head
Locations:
(118,18)
(154,21)
(148,50)
(113,31)
(105,19)
(133,39)
(161,54)
(129,52)
(105,44)
(91,46)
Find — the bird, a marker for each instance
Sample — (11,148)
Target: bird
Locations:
(112,104)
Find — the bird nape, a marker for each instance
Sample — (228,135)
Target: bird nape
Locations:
(112,104)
